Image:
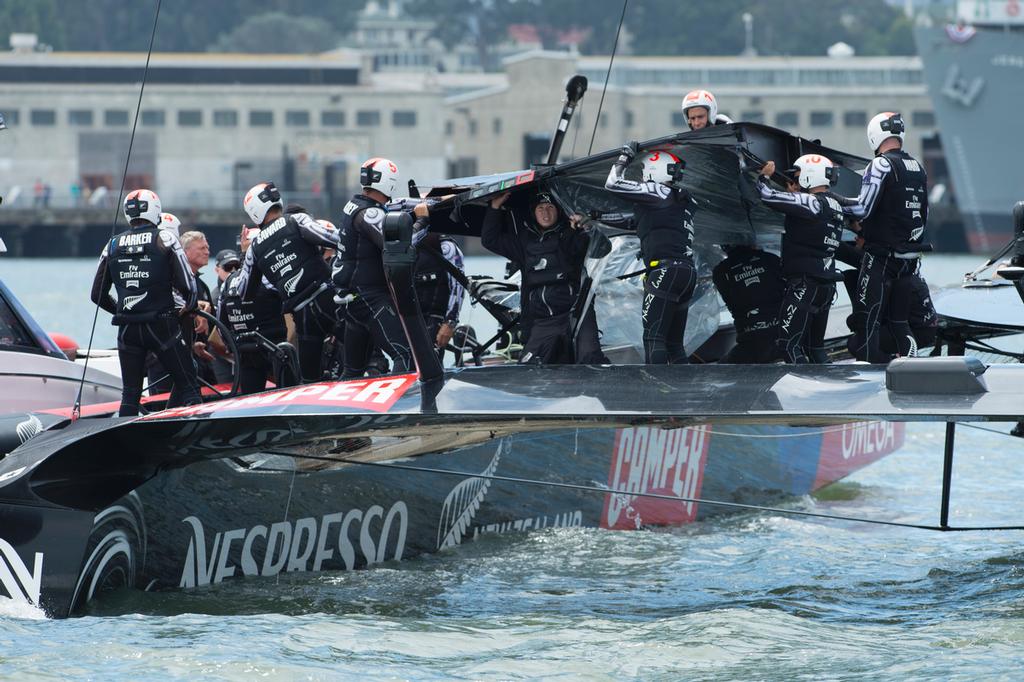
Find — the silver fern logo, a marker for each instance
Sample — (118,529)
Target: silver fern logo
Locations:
(292,282)
(132,301)
(462,503)
(29,428)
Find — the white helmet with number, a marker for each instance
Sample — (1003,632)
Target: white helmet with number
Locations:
(663,167)
(815,170)
(379,174)
(883,126)
(142,204)
(701,98)
(169,221)
(259,200)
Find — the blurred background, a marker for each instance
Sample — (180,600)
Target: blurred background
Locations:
(301,91)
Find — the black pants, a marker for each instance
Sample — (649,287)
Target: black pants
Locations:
(257,364)
(164,338)
(588,341)
(881,301)
(753,348)
(371,320)
(314,322)
(803,318)
(548,341)
(667,293)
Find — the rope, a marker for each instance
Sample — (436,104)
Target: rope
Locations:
(607,77)
(654,496)
(76,410)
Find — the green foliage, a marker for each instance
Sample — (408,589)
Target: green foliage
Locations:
(185,25)
(275,32)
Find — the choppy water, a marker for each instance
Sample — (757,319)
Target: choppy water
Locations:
(746,597)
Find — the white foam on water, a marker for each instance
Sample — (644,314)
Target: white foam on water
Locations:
(10,608)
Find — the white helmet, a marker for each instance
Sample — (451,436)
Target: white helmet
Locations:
(701,98)
(259,200)
(142,204)
(169,221)
(815,171)
(328,224)
(379,174)
(883,126)
(663,167)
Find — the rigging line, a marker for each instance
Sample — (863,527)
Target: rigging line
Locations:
(287,509)
(576,133)
(989,429)
(655,496)
(607,77)
(76,410)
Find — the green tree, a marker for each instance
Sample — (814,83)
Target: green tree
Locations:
(278,33)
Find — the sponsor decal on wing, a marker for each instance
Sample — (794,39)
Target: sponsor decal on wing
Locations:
(849,447)
(375,395)
(657,461)
(17,580)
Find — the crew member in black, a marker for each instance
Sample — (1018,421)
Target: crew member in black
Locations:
(548,250)
(814,227)
(364,299)
(257,315)
(893,210)
(921,316)
(664,223)
(751,284)
(287,251)
(145,264)
(439,292)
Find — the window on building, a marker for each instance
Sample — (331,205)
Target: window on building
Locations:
(449,128)
(115,117)
(80,117)
(190,118)
(630,118)
(332,119)
(403,119)
(821,118)
(368,118)
(753,116)
(472,127)
(43,117)
(296,119)
(11,116)
(602,121)
(225,118)
(855,119)
(153,117)
(496,126)
(261,118)
(679,120)
(787,119)
(923,119)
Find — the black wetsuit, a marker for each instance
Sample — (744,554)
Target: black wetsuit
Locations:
(288,253)
(893,210)
(664,224)
(157,375)
(146,265)
(439,293)
(751,284)
(920,314)
(549,262)
(257,315)
(366,305)
(814,227)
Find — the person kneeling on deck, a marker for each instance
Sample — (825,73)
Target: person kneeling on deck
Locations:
(287,252)
(145,265)
(814,227)
(750,282)
(664,223)
(363,294)
(548,251)
(701,110)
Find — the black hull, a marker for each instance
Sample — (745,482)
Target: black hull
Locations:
(213,521)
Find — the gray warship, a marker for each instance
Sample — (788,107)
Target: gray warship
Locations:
(973,64)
